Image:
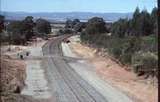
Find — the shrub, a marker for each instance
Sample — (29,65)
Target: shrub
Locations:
(84,37)
(4,36)
(145,62)
(116,51)
(126,58)
(149,43)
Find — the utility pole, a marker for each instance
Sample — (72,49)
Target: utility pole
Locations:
(158,15)
(9,49)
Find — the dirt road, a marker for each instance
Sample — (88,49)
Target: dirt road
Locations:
(68,85)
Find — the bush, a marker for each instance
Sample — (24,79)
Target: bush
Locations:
(145,62)
(84,37)
(126,58)
(4,36)
(123,48)
(149,43)
(68,31)
(116,52)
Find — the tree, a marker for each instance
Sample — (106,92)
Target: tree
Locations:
(135,23)
(1,23)
(27,27)
(154,14)
(120,28)
(43,26)
(154,20)
(21,31)
(75,21)
(69,23)
(78,27)
(3,34)
(95,25)
(15,30)
(94,30)
(136,13)
(142,24)
(145,23)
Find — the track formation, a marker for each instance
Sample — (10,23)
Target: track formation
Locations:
(66,84)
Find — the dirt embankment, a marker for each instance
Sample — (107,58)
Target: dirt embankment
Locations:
(12,97)
(138,88)
(12,75)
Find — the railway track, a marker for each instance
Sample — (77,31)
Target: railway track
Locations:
(66,85)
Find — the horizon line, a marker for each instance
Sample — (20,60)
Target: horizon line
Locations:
(63,12)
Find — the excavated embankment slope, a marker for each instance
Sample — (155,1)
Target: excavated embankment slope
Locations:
(12,76)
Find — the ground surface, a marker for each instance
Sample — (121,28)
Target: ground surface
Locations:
(137,88)
(56,74)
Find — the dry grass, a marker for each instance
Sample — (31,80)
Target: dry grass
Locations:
(12,74)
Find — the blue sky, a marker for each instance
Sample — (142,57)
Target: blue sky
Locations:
(76,5)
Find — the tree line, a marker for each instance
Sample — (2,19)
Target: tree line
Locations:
(19,32)
(132,41)
(142,24)
(72,26)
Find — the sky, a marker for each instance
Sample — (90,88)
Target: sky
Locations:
(102,6)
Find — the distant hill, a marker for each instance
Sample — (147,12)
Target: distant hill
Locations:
(62,16)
